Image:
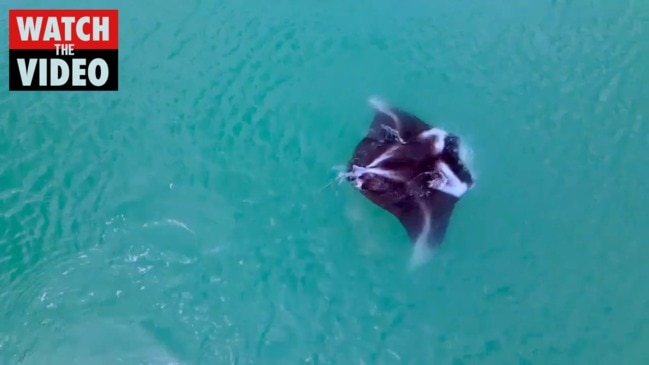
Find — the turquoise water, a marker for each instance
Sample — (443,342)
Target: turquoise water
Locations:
(181,221)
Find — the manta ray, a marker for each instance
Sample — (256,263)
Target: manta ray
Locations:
(413,171)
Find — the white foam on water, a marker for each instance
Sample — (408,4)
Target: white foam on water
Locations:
(169,221)
(467,156)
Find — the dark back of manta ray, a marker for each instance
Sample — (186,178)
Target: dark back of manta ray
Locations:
(412,126)
(409,125)
(406,208)
(378,139)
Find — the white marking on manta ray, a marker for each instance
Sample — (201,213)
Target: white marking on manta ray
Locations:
(358,171)
(382,157)
(439,135)
(453,185)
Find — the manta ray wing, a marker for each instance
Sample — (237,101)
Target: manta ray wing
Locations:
(368,150)
(437,208)
(383,123)
(451,156)
(423,212)
(409,125)
(389,128)
(393,124)
(425,219)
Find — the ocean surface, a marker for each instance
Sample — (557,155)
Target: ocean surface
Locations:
(182,220)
